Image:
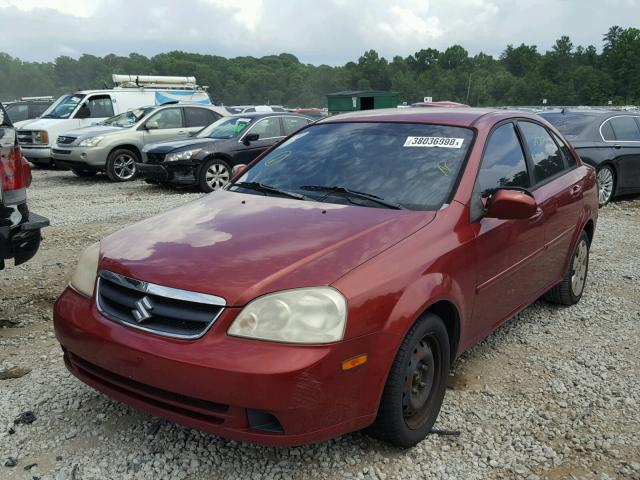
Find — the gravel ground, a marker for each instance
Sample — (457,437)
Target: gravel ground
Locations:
(553,394)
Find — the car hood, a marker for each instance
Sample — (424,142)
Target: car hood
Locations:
(166,147)
(93,131)
(240,246)
(37,123)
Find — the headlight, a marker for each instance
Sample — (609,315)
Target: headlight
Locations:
(186,155)
(305,315)
(41,136)
(83,279)
(91,141)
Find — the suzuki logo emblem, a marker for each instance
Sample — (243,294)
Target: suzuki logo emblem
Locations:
(141,312)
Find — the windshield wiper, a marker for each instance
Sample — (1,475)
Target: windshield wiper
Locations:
(353,193)
(261,187)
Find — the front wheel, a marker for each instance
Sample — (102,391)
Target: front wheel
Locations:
(569,290)
(121,165)
(416,385)
(606,184)
(214,174)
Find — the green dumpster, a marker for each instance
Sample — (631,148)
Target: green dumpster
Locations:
(351,101)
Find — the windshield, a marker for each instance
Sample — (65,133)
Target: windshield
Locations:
(570,125)
(127,119)
(225,128)
(64,106)
(414,166)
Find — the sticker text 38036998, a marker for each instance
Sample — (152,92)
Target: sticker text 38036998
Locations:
(443,142)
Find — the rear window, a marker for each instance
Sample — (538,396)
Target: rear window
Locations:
(625,129)
(414,165)
(570,125)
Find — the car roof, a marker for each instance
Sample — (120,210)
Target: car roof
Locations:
(462,117)
(589,113)
(254,115)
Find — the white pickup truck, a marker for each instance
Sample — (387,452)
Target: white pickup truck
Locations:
(86,107)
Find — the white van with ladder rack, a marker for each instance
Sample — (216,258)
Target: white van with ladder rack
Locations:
(86,107)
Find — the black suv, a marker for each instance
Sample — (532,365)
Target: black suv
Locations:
(207,158)
(19,229)
(27,108)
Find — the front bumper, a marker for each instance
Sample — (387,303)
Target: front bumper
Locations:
(37,154)
(74,157)
(218,383)
(22,241)
(178,173)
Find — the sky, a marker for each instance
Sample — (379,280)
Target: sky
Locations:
(321,31)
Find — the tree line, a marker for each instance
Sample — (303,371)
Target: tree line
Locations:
(521,75)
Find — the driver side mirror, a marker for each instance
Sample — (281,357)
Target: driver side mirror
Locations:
(151,125)
(506,204)
(238,170)
(250,137)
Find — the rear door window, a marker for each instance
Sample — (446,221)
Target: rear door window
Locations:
(545,154)
(607,132)
(625,129)
(503,164)
(291,124)
(199,117)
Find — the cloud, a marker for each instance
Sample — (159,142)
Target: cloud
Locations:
(331,31)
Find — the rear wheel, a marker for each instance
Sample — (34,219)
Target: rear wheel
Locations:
(416,384)
(121,165)
(606,184)
(83,173)
(214,174)
(569,290)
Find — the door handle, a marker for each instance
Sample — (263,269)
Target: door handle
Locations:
(575,190)
(536,216)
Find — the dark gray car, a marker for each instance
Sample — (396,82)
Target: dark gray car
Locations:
(206,160)
(607,140)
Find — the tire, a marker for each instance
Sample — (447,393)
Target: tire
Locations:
(213,174)
(416,385)
(84,173)
(121,165)
(569,291)
(606,184)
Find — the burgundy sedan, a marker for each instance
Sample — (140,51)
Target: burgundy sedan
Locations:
(332,283)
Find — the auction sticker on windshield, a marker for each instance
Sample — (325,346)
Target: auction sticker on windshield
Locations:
(443,142)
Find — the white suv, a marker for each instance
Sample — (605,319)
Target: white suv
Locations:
(115,145)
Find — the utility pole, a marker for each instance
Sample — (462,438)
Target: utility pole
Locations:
(469,87)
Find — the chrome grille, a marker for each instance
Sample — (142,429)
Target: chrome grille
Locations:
(62,140)
(25,137)
(155,308)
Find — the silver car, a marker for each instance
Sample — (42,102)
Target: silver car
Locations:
(115,145)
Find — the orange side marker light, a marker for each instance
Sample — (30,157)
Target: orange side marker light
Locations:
(354,362)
